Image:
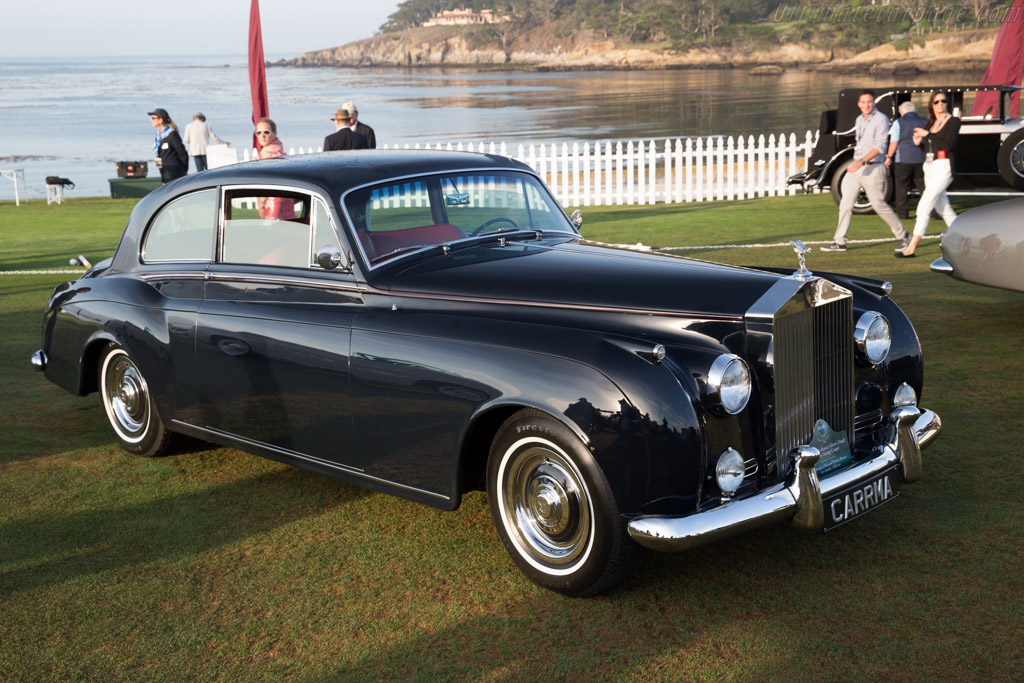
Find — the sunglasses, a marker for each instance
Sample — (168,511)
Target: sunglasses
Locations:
(938,101)
(263,132)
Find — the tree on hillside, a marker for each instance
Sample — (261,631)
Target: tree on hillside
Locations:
(522,19)
(412,13)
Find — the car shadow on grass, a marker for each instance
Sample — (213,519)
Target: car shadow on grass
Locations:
(52,548)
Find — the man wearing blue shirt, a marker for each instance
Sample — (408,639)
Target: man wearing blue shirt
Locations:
(908,157)
(868,172)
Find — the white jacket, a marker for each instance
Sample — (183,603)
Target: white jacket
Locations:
(196,135)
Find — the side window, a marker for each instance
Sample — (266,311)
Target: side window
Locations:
(267,227)
(184,230)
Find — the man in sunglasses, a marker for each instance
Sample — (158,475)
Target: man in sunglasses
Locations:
(867,172)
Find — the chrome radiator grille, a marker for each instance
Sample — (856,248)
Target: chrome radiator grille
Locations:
(813,373)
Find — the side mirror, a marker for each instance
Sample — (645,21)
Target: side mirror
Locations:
(577,218)
(329,258)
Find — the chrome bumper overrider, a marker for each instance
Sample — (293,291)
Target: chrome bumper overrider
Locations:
(799,499)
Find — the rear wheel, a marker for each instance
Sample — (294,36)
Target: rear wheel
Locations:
(130,409)
(1011,160)
(553,508)
(861,206)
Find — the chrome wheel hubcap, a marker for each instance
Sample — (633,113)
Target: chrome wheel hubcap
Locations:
(546,505)
(126,397)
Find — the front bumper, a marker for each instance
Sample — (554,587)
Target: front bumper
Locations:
(799,498)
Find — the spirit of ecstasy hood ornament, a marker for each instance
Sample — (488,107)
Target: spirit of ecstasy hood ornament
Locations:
(800,249)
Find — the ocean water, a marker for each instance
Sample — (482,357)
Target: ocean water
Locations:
(76,117)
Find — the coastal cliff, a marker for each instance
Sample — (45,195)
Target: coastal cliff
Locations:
(967,51)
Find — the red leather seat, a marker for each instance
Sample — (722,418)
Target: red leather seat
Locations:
(387,241)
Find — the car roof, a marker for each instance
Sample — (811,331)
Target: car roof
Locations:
(337,172)
(882,90)
(333,173)
(888,98)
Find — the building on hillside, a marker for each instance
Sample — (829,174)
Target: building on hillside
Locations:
(464,17)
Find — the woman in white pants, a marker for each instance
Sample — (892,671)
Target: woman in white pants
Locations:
(939,141)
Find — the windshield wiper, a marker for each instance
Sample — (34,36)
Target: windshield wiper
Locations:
(402,250)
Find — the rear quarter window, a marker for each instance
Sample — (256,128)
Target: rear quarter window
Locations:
(184,230)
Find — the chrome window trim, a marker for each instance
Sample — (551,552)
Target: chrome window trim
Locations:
(145,233)
(170,275)
(272,279)
(343,207)
(314,195)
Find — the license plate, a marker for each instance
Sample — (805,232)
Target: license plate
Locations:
(862,497)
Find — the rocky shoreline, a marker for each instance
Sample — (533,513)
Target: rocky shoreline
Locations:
(966,51)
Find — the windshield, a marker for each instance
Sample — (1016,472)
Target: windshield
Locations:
(401,216)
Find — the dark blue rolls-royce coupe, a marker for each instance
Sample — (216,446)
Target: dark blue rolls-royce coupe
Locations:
(428,323)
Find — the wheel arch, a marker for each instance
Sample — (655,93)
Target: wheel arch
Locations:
(638,401)
(89,366)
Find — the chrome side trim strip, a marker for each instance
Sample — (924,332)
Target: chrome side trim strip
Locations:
(345,469)
(367,289)
(555,305)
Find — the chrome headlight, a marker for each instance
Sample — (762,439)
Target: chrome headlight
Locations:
(873,337)
(729,471)
(729,383)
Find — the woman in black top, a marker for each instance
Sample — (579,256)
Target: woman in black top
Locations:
(170,151)
(938,140)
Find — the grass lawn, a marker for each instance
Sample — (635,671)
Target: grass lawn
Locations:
(216,564)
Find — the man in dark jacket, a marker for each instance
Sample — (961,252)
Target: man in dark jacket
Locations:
(360,127)
(908,157)
(344,137)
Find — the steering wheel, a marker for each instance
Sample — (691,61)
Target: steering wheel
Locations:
(499,219)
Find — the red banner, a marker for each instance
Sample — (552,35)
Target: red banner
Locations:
(1007,63)
(258,70)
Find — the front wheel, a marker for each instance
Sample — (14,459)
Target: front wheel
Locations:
(1011,159)
(553,508)
(861,206)
(130,409)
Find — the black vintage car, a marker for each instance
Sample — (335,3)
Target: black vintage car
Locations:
(989,153)
(426,323)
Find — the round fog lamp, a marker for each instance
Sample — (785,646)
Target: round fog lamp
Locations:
(904,396)
(729,471)
(873,336)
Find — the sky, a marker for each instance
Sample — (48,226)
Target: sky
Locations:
(67,28)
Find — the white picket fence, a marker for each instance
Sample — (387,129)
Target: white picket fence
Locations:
(648,172)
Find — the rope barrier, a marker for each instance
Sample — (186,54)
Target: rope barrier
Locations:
(780,244)
(42,272)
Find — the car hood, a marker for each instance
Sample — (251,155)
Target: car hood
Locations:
(580,273)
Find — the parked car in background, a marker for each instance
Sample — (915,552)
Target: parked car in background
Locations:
(428,323)
(986,246)
(989,153)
